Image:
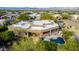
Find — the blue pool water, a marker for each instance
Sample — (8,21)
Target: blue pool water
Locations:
(58,40)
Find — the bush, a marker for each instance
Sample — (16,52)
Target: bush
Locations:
(46,16)
(67,34)
(65,16)
(46,46)
(7,36)
(23,17)
(3,28)
(29,45)
(24,45)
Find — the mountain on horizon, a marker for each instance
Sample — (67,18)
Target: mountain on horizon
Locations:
(37,8)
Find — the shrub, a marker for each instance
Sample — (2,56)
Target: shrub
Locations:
(7,36)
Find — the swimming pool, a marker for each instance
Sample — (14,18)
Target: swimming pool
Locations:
(58,40)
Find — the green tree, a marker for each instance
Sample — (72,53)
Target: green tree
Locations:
(66,34)
(40,46)
(46,16)
(3,28)
(55,19)
(46,46)
(50,46)
(65,16)
(23,17)
(24,45)
(29,45)
(7,36)
(2,12)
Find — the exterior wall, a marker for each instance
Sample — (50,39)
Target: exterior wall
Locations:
(50,32)
(35,32)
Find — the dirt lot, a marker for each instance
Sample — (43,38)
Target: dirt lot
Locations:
(72,25)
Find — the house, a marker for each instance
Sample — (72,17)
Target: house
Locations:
(5,22)
(60,23)
(2,21)
(75,17)
(10,15)
(35,16)
(39,28)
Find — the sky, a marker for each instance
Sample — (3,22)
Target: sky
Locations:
(39,3)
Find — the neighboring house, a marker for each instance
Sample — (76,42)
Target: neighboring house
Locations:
(39,28)
(8,22)
(5,22)
(60,23)
(10,15)
(74,17)
(2,21)
(35,16)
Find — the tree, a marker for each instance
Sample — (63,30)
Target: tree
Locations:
(24,45)
(24,17)
(55,19)
(29,45)
(7,36)
(40,46)
(46,46)
(3,28)
(2,12)
(5,17)
(65,16)
(46,16)
(50,46)
(67,34)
